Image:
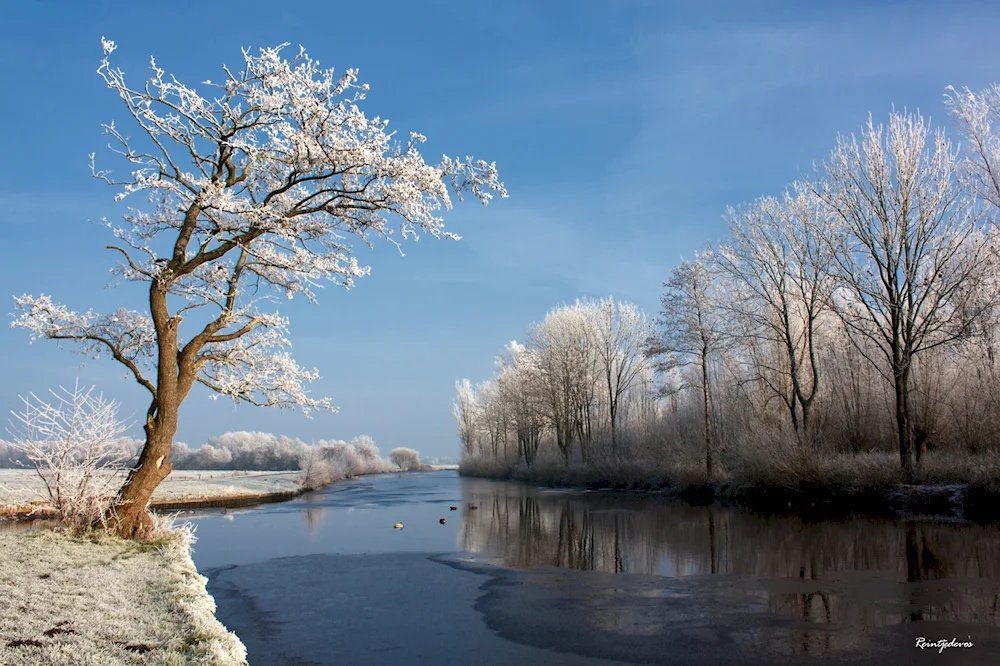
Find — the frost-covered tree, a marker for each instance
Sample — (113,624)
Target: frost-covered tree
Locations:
(329,461)
(691,330)
(909,253)
(564,343)
(406,459)
(494,416)
(978,116)
(777,258)
(621,330)
(518,381)
(254,187)
(465,409)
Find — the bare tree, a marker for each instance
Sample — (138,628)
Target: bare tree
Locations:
(76,446)
(252,189)
(494,415)
(909,254)
(977,116)
(621,329)
(778,257)
(465,410)
(563,342)
(519,383)
(691,331)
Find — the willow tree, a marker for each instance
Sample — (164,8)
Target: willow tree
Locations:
(253,189)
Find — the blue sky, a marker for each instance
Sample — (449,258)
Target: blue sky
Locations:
(622,130)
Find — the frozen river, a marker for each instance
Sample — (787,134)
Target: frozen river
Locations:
(536,576)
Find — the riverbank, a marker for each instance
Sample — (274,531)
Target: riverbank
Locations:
(93,599)
(831,487)
(21,491)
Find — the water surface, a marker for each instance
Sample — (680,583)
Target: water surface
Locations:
(542,576)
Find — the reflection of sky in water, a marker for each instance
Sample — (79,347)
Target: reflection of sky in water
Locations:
(642,570)
(350,517)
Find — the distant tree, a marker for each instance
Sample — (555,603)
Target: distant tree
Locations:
(494,416)
(691,330)
(329,461)
(365,447)
(519,386)
(465,409)
(909,255)
(255,187)
(406,459)
(564,344)
(621,330)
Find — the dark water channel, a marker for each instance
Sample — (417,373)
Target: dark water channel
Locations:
(537,576)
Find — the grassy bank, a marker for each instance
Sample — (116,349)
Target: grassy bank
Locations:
(830,486)
(95,600)
(21,491)
(23,485)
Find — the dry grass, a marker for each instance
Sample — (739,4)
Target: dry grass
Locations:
(781,466)
(88,598)
(22,486)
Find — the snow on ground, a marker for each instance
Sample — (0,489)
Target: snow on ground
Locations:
(20,486)
(192,484)
(101,601)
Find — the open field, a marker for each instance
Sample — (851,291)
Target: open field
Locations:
(20,489)
(98,600)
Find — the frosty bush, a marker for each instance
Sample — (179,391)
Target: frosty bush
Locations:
(75,444)
(327,462)
(406,459)
(242,451)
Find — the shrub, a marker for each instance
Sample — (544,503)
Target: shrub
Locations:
(75,445)
(406,459)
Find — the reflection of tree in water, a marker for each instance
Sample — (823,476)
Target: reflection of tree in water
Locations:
(921,564)
(713,552)
(834,572)
(313,515)
(575,548)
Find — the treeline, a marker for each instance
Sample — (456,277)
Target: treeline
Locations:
(258,451)
(851,321)
(262,451)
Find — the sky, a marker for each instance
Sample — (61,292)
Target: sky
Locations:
(622,130)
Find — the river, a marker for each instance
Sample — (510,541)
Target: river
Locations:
(555,577)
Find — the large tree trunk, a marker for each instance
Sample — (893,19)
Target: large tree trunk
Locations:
(708,413)
(129,518)
(903,425)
